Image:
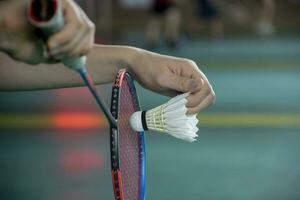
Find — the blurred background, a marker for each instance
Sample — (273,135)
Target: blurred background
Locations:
(54,144)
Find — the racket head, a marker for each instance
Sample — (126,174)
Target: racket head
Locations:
(127,146)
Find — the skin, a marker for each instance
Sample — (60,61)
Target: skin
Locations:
(19,40)
(166,75)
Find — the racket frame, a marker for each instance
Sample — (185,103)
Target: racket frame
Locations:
(114,138)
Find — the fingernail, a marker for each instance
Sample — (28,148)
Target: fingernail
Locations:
(54,52)
(193,85)
(52,44)
(58,57)
(46,55)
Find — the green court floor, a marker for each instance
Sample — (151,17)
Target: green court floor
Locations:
(248,147)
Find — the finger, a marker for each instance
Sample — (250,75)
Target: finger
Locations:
(72,21)
(208,101)
(180,84)
(82,48)
(69,47)
(83,45)
(61,38)
(196,98)
(77,50)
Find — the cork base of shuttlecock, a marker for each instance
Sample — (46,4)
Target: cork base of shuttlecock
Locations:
(136,121)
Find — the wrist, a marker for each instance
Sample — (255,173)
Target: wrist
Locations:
(132,58)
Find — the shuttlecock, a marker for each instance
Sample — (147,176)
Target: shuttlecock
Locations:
(168,118)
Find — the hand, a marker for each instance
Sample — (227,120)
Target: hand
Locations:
(17,37)
(169,76)
(77,37)
(19,40)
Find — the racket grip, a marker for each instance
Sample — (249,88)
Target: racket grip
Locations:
(51,22)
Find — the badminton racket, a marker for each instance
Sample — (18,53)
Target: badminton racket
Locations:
(127,146)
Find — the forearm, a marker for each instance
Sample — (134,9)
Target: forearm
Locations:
(102,62)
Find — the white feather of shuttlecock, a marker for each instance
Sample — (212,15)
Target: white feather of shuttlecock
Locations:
(171,118)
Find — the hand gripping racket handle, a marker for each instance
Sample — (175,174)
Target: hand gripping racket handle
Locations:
(47,16)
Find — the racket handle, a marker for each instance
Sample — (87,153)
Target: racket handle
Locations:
(47,16)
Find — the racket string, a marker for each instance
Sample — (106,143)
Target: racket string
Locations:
(129,146)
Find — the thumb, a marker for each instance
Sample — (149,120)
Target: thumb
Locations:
(184,84)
